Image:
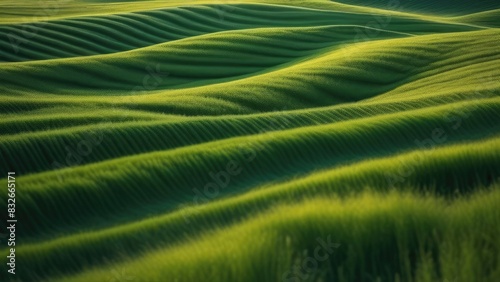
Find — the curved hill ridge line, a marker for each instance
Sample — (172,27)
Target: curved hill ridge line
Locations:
(261,198)
(338,32)
(176,132)
(214,17)
(304,5)
(431,7)
(486,19)
(326,171)
(83,27)
(188,40)
(110,177)
(488,104)
(447,80)
(270,226)
(345,55)
(10,125)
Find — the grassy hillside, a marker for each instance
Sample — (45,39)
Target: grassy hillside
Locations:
(251,140)
(446,7)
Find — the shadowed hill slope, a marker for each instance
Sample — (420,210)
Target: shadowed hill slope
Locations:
(441,7)
(121,32)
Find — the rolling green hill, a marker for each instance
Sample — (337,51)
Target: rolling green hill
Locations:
(446,7)
(251,140)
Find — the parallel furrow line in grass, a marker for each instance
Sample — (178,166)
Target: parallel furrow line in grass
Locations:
(198,21)
(401,230)
(462,163)
(175,134)
(168,175)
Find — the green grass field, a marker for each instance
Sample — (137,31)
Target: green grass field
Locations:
(250,140)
